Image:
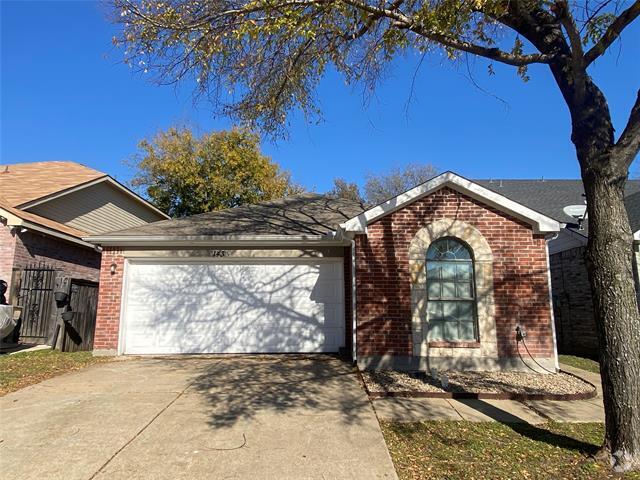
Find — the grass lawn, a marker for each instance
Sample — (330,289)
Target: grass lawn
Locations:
(22,369)
(467,450)
(580,362)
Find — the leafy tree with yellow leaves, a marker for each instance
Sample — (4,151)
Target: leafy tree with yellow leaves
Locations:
(183,174)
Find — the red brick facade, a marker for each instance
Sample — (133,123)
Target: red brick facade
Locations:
(348,302)
(520,278)
(17,250)
(109,301)
(7,253)
(518,260)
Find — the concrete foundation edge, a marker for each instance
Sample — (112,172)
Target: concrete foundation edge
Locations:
(105,352)
(406,363)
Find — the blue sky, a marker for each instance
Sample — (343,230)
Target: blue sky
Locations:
(65,95)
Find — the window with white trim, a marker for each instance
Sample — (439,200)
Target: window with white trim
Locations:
(451,301)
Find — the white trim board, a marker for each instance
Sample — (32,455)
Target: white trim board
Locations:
(231,260)
(215,240)
(540,223)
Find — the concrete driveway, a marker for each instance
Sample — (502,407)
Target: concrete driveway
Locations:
(301,417)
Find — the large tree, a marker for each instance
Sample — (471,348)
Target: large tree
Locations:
(259,59)
(184,174)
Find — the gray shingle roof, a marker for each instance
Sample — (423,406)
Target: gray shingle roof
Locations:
(551,196)
(317,214)
(306,214)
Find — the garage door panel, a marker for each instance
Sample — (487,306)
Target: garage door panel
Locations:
(234,308)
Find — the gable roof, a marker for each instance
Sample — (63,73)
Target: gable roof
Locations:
(540,222)
(21,183)
(308,216)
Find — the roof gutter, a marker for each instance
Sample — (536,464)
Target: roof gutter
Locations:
(213,240)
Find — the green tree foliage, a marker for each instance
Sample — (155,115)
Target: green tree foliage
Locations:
(257,60)
(183,174)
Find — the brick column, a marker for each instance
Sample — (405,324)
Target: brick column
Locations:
(7,254)
(109,302)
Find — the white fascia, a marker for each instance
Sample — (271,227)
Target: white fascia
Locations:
(217,240)
(541,223)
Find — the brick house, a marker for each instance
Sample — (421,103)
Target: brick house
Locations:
(46,208)
(439,276)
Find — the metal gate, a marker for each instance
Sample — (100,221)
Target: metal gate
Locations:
(35,296)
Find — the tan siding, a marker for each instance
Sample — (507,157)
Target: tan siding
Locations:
(97,209)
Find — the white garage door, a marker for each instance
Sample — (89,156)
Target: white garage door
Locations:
(239,307)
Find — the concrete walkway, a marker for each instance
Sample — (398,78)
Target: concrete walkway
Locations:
(534,412)
(268,417)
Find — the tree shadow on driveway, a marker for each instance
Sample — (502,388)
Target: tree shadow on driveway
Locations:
(242,387)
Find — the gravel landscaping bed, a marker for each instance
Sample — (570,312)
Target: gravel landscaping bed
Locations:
(386,381)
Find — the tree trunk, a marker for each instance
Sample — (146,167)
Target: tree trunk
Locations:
(610,265)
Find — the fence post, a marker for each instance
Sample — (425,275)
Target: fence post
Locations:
(62,283)
(14,287)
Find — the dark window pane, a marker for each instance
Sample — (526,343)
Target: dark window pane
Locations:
(448,290)
(448,270)
(433,290)
(467,331)
(463,290)
(436,330)
(451,331)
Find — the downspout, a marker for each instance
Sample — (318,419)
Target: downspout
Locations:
(553,320)
(353,302)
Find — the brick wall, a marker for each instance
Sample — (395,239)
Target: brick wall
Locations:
(22,249)
(348,304)
(521,292)
(109,298)
(74,260)
(7,253)
(573,307)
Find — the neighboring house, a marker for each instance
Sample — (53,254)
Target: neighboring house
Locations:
(439,276)
(573,307)
(45,210)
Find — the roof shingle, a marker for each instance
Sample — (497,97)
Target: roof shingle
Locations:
(22,183)
(306,214)
(549,196)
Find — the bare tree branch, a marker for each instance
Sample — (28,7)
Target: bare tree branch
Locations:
(577,54)
(613,32)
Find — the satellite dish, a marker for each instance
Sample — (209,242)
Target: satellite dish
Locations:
(576,211)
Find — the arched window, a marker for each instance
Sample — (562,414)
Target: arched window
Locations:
(451,301)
